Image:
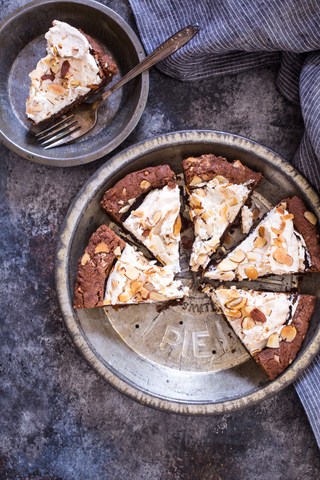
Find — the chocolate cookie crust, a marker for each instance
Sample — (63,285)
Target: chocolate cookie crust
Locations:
(209,166)
(274,361)
(306,229)
(94,266)
(118,201)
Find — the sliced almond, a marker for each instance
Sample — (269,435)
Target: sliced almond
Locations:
(149,286)
(227,265)
(121,202)
(137,213)
(114,283)
(107,302)
(288,333)
(124,209)
(232,312)
(117,251)
(259,242)
(201,193)
(157,297)
(238,257)
(236,303)
(85,258)
(252,273)
(38,73)
(237,164)
(277,358)
(248,323)
(144,185)
(255,213)
(310,217)
(195,181)
(156,216)
(280,255)
(278,242)
(202,259)
(102,247)
(233,202)
(124,191)
(132,272)
(258,316)
(144,293)
(75,83)
(205,177)
(197,211)
(37,108)
(136,286)
(289,216)
(273,341)
(268,311)
(56,88)
(177,226)
(131,201)
(280,210)
(221,179)
(249,308)
(124,297)
(122,271)
(252,256)
(194,201)
(277,231)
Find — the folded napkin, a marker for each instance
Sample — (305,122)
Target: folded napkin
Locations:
(234,37)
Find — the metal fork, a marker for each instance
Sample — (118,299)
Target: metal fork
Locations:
(84,117)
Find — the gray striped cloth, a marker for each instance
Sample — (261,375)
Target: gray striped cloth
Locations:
(236,36)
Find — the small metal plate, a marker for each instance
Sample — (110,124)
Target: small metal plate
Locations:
(23,44)
(182,358)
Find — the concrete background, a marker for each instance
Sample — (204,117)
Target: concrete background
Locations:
(59,419)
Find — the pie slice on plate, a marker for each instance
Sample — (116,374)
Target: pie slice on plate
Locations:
(112,272)
(285,241)
(218,190)
(75,67)
(147,204)
(270,325)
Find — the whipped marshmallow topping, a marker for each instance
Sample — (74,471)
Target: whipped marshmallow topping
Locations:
(246,219)
(65,74)
(156,223)
(134,279)
(273,248)
(213,208)
(278,310)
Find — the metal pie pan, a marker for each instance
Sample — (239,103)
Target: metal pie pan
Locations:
(184,359)
(23,44)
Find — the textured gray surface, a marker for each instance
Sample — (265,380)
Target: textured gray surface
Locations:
(59,420)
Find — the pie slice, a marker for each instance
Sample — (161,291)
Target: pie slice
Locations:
(132,279)
(285,241)
(147,204)
(75,67)
(94,266)
(218,191)
(270,325)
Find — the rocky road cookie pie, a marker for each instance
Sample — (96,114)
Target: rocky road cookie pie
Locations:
(270,325)
(147,204)
(218,190)
(285,241)
(75,67)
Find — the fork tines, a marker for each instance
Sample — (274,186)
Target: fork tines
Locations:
(55,135)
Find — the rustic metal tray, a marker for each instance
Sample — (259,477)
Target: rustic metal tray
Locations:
(23,44)
(184,358)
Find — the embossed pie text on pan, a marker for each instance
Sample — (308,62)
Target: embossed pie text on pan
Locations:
(184,358)
(23,44)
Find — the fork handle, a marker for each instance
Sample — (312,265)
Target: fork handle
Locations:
(164,50)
